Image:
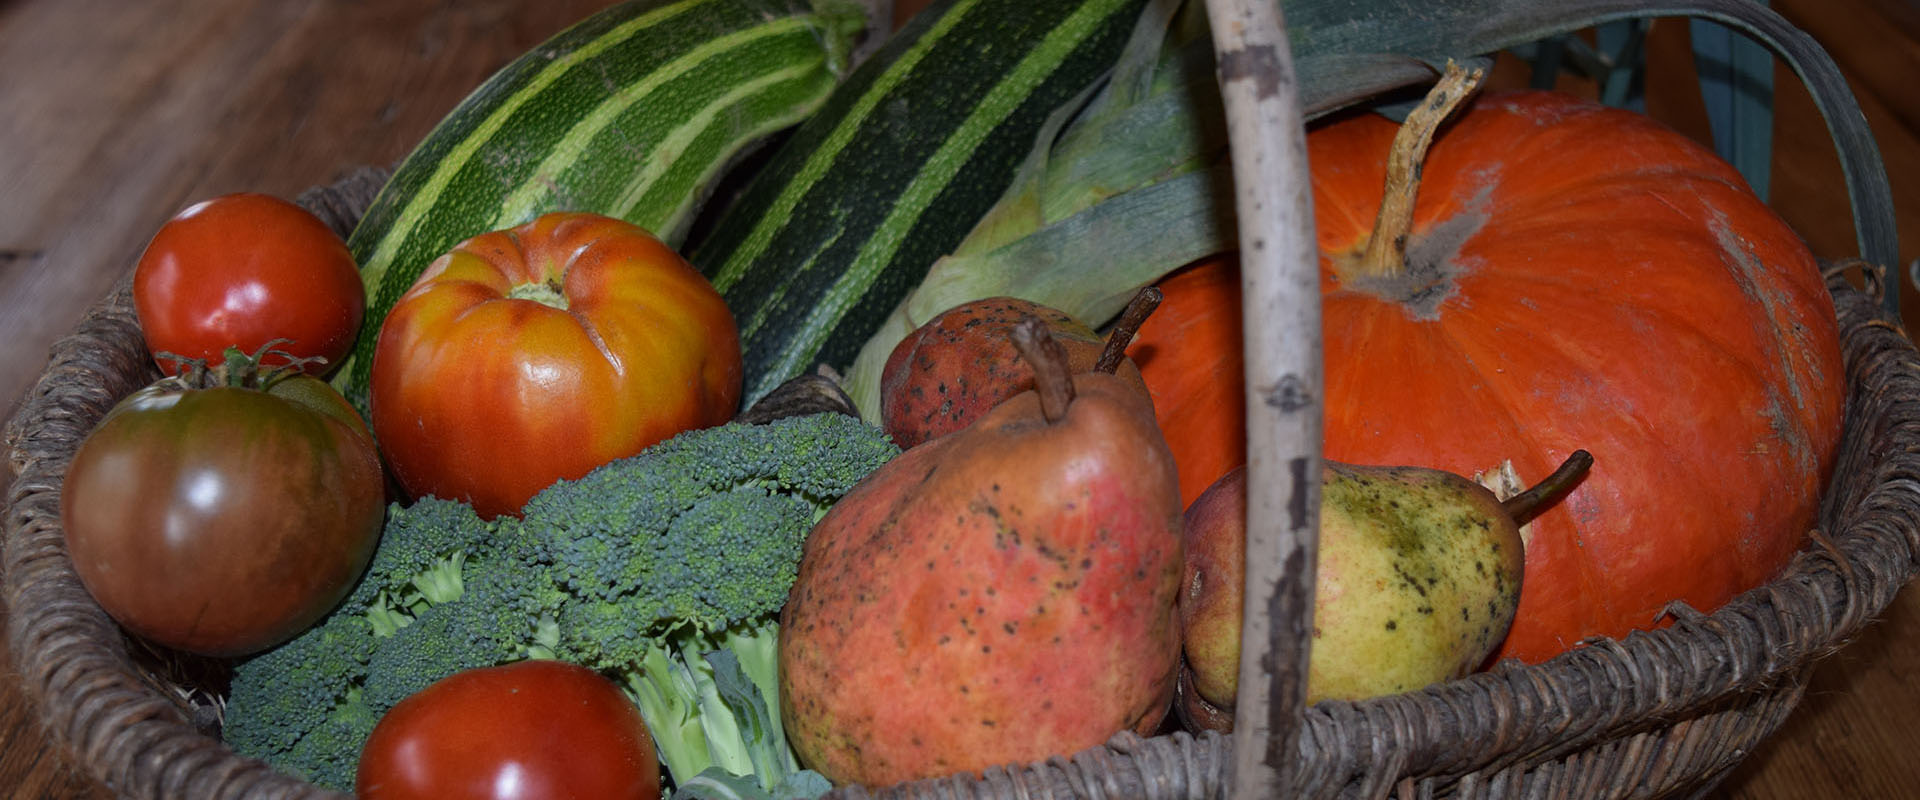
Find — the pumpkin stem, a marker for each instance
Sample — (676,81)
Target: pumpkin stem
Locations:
(1136,313)
(1386,252)
(1523,507)
(1051,375)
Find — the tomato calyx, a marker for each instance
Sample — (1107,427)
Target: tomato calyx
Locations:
(239,370)
(545,293)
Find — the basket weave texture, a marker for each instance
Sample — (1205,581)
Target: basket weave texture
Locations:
(1665,713)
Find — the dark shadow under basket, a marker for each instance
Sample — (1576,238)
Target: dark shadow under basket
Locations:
(1662,713)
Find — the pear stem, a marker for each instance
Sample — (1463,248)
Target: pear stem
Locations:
(1052,377)
(1386,251)
(1135,314)
(1523,507)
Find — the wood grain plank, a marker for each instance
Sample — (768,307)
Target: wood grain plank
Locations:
(133,110)
(1852,737)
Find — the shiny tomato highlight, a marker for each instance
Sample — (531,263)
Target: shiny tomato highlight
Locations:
(529,355)
(242,270)
(532,730)
(224,520)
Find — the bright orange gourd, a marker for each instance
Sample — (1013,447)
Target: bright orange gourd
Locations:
(1576,277)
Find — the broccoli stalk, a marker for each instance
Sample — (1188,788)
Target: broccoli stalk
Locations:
(715,702)
(664,571)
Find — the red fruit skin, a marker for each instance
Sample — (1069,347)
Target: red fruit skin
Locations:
(481,395)
(1000,595)
(224,521)
(242,270)
(960,364)
(530,730)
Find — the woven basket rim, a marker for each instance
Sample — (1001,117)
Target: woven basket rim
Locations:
(133,735)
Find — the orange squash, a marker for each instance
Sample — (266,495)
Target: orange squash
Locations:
(1574,277)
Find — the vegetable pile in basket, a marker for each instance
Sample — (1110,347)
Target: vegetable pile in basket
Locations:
(589,509)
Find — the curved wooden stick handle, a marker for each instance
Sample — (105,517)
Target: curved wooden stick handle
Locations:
(1280,299)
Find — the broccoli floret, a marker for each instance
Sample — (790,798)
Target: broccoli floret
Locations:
(665,571)
(692,564)
(483,628)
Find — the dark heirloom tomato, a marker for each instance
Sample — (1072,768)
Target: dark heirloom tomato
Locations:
(533,354)
(242,270)
(525,731)
(223,520)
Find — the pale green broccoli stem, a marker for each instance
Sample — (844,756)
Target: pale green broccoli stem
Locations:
(695,735)
(661,687)
(758,649)
(546,640)
(385,618)
(440,583)
(726,745)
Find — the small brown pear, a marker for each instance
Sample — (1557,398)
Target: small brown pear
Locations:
(1418,580)
(960,364)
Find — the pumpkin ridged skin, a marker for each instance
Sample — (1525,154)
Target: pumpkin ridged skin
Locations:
(1188,353)
(483,396)
(994,596)
(1605,284)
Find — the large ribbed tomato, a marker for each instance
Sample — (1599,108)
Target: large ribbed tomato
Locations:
(1577,277)
(529,355)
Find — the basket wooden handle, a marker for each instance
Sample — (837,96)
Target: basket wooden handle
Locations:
(1281,307)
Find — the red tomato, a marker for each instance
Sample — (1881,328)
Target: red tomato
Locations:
(225,520)
(242,270)
(534,354)
(523,731)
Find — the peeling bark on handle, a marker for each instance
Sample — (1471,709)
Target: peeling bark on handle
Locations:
(1281,307)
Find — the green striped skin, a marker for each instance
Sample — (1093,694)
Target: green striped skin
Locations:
(907,154)
(635,112)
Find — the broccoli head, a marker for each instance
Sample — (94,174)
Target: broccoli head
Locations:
(665,571)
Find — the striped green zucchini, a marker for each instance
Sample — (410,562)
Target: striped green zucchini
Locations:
(906,155)
(634,112)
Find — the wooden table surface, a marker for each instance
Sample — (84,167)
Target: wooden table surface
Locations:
(114,114)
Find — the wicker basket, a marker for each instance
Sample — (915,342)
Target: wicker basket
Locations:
(1658,714)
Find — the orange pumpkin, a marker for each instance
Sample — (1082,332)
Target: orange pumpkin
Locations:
(1575,277)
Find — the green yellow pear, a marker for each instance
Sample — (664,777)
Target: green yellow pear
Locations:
(1418,579)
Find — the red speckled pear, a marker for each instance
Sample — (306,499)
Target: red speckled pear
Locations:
(998,595)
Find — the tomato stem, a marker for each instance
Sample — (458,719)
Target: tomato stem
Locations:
(540,292)
(1386,251)
(239,369)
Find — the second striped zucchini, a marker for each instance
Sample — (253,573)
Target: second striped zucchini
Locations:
(887,177)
